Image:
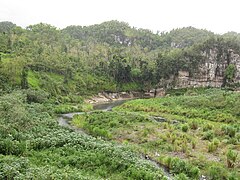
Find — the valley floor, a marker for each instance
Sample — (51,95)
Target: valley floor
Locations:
(195,135)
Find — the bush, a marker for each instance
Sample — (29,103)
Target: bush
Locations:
(194,124)
(167,161)
(207,127)
(231,158)
(185,128)
(178,166)
(216,173)
(10,167)
(211,147)
(181,176)
(194,172)
(36,96)
(216,142)
(229,130)
(233,176)
(208,135)
(101,132)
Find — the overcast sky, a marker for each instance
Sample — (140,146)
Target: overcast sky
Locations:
(219,16)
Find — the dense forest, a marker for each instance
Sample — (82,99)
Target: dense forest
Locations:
(110,56)
(45,71)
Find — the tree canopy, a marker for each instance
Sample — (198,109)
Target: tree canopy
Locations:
(109,56)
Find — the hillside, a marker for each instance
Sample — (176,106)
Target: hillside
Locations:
(113,56)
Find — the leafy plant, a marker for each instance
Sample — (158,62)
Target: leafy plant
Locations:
(208,135)
(231,158)
(216,173)
(185,128)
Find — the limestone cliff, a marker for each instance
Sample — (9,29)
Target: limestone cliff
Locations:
(211,71)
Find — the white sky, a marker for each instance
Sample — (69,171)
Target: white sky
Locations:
(219,16)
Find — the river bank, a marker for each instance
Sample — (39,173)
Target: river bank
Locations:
(105,97)
(65,121)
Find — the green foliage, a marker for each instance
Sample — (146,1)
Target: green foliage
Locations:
(212,147)
(13,110)
(231,158)
(33,145)
(6,26)
(184,37)
(193,143)
(229,130)
(57,68)
(194,124)
(36,96)
(185,127)
(182,176)
(33,80)
(207,127)
(103,123)
(72,107)
(210,105)
(209,135)
(216,173)
(179,166)
(111,56)
(230,72)
(233,176)
(191,121)
(131,86)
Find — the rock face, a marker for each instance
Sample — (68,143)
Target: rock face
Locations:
(211,71)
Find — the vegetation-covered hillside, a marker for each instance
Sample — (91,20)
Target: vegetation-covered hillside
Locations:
(111,56)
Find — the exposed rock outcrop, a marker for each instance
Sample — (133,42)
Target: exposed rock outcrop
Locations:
(211,71)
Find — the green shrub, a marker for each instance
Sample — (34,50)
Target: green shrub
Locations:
(208,135)
(216,173)
(177,166)
(194,124)
(185,128)
(233,176)
(211,147)
(231,158)
(167,161)
(216,142)
(229,130)
(233,141)
(194,172)
(207,127)
(101,132)
(36,96)
(182,176)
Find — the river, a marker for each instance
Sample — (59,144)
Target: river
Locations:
(64,119)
